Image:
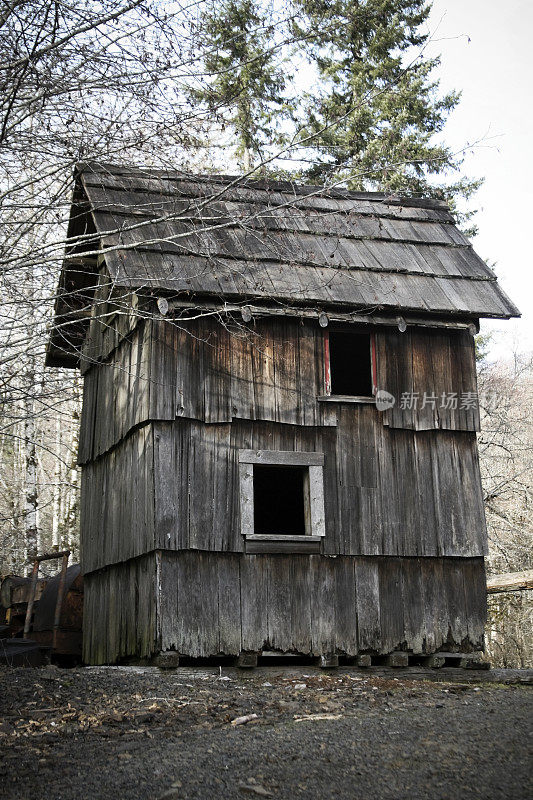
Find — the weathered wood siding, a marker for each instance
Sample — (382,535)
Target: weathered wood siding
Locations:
(175,485)
(211,604)
(431,364)
(273,371)
(387,492)
(117,503)
(120,611)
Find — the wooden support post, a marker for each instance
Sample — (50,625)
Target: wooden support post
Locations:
(247,660)
(397,659)
(474,661)
(60,593)
(364,660)
(435,661)
(167,660)
(329,661)
(29,608)
(510,582)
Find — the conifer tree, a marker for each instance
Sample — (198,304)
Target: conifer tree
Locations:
(243,86)
(376,109)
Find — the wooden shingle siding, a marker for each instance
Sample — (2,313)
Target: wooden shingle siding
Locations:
(117,503)
(434,363)
(204,362)
(211,604)
(272,371)
(207,372)
(120,611)
(176,486)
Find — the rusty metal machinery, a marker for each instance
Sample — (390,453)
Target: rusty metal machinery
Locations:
(46,612)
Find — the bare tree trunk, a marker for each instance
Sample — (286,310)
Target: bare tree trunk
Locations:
(31,530)
(71,510)
(56,490)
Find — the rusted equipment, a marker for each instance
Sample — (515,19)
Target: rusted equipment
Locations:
(49,610)
(64,555)
(15,589)
(14,596)
(63,633)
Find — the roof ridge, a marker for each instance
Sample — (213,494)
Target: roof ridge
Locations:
(263,183)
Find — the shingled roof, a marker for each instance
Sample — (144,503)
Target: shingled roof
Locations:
(268,241)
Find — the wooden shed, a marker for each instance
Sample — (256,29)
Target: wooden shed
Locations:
(278,438)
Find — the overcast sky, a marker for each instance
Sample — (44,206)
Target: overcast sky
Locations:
(486,52)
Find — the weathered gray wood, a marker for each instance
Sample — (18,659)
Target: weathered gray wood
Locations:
(323,604)
(392,604)
(284,544)
(368,603)
(246,493)
(280,457)
(346,617)
(397,659)
(430,370)
(120,612)
(118,504)
(177,413)
(414,617)
(282,244)
(475,601)
(427,501)
(254,602)
(229,598)
(316,501)
(272,537)
(302,612)
(510,582)
(211,605)
(246,660)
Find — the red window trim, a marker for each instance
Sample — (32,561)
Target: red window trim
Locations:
(373,364)
(327,364)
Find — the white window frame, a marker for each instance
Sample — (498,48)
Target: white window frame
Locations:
(315,521)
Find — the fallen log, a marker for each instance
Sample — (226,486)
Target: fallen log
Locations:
(510,582)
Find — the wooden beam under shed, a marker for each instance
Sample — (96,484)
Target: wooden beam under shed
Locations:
(510,582)
(196,306)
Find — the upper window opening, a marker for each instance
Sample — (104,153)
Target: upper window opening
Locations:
(279,500)
(350,363)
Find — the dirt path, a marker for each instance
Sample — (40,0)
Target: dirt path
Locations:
(143,733)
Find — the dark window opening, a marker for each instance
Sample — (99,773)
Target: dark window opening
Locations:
(279,500)
(350,363)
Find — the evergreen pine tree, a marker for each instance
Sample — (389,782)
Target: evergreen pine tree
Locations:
(243,86)
(376,108)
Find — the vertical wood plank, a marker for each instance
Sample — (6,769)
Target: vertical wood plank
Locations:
(254,601)
(323,604)
(229,606)
(367,604)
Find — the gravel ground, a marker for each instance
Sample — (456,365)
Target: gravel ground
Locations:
(129,733)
